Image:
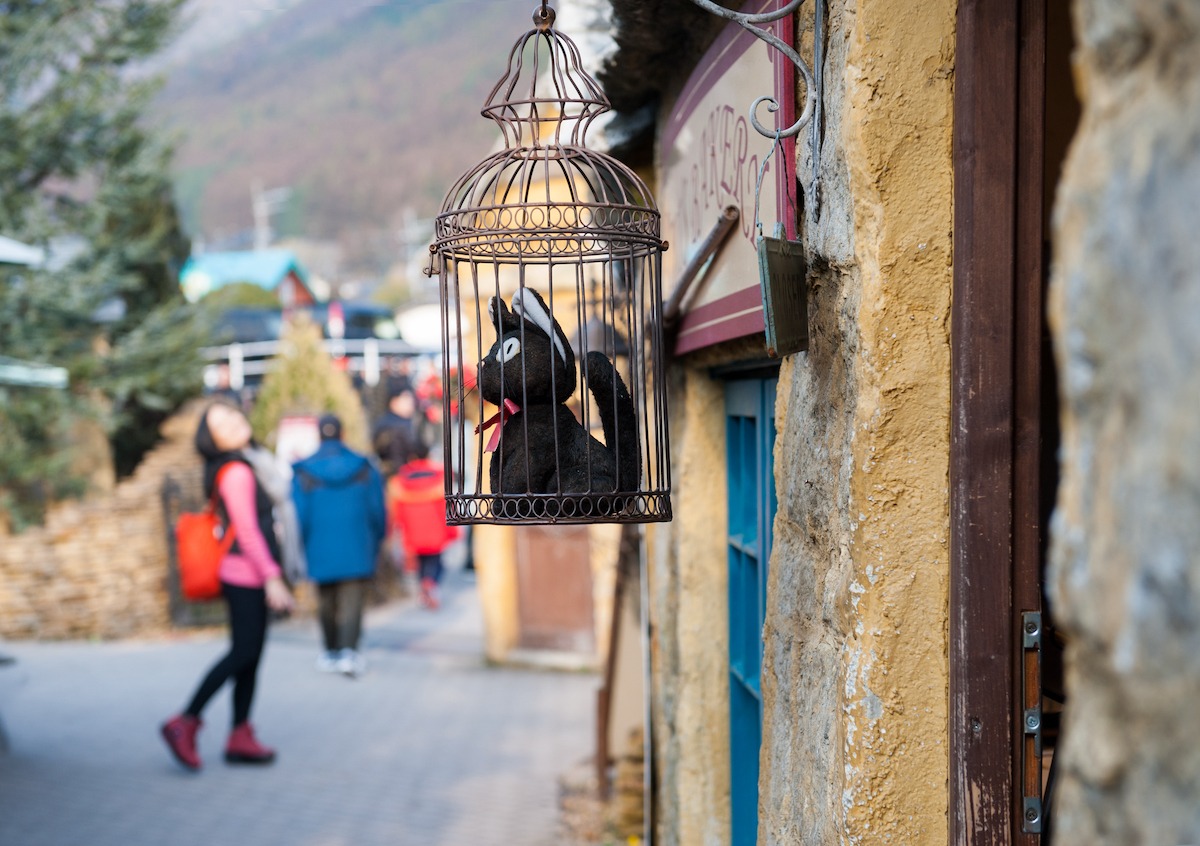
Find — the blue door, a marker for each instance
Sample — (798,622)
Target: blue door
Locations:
(750,442)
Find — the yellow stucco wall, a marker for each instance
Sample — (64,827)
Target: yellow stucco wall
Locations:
(688,616)
(855,659)
(899,93)
(496,581)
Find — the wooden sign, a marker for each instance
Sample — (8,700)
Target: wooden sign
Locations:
(782,270)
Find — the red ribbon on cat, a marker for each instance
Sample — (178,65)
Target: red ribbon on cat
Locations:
(507,410)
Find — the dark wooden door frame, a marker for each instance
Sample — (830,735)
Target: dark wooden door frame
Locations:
(995,337)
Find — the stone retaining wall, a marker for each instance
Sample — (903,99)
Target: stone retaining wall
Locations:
(98,567)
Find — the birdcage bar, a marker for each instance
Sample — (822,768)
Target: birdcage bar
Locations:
(469,501)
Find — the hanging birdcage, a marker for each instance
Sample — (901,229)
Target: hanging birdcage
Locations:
(550,264)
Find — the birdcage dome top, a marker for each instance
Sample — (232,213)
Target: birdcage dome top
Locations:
(545,195)
(545,94)
(536,205)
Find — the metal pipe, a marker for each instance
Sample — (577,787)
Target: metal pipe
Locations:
(711,244)
(371,362)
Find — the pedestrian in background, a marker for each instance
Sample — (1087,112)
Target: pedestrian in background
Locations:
(396,431)
(251,583)
(419,516)
(343,520)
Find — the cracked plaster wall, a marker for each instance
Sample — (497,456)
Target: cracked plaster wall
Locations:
(855,666)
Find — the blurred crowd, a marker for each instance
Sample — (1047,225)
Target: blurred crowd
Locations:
(328,517)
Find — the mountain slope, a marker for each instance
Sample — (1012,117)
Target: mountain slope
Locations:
(362,109)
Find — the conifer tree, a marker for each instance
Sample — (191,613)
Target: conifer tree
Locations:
(303,381)
(82,177)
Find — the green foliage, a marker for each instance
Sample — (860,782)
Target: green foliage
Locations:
(35,425)
(303,380)
(82,176)
(149,374)
(239,295)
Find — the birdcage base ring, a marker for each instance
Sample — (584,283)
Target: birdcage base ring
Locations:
(552,509)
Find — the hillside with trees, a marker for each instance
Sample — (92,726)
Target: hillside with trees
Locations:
(361,109)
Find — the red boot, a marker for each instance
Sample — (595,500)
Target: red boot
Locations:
(429,594)
(180,735)
(243,747)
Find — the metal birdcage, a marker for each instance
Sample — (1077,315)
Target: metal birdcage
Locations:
(550,263)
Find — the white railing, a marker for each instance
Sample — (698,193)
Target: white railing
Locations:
(255,358)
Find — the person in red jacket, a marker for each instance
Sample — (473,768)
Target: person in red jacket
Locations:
(419,515)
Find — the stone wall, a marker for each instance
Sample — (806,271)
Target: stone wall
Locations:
(1125,308)
(855,668)
(97,568)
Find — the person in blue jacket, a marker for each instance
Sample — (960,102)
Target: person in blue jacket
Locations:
(343,520)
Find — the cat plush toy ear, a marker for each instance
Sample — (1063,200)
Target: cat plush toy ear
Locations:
(547,366)
(501,318)
(530,306)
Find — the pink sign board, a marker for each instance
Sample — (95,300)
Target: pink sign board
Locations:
(710,158)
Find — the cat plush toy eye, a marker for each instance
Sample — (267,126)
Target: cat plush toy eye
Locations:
(539,446)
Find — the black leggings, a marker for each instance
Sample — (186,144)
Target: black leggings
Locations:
(431,567)
(247,633)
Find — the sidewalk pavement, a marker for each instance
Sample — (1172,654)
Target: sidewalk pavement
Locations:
(430,747)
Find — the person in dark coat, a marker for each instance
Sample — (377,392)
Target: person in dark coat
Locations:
(343,520)
(395,434)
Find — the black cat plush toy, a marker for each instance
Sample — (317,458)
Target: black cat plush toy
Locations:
(539,446)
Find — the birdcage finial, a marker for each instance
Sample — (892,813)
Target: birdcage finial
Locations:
(543,16)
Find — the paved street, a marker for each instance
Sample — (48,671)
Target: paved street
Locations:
(431,747)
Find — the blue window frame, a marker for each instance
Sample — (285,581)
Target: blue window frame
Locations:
(749,449)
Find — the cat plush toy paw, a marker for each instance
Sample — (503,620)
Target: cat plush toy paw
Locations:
(539,446)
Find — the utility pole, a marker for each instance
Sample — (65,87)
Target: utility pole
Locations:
(266,202)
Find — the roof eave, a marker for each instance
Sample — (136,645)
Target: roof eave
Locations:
(656,40)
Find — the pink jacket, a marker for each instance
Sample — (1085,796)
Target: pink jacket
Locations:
(253,565)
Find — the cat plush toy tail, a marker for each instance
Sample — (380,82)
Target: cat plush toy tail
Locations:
(529,373)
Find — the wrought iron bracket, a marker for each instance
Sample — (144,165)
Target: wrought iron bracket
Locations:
(750,23)
(813,77)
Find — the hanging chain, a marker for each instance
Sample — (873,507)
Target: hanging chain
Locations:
(761,171)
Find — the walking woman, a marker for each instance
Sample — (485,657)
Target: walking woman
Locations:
(251,582)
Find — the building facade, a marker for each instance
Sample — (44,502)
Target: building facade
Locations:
(860,617)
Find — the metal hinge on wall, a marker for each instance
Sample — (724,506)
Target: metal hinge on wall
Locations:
(1031,722)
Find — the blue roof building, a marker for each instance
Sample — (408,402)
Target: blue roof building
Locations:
(278,271)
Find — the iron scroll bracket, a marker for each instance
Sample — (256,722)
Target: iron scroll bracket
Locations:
(750,23)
